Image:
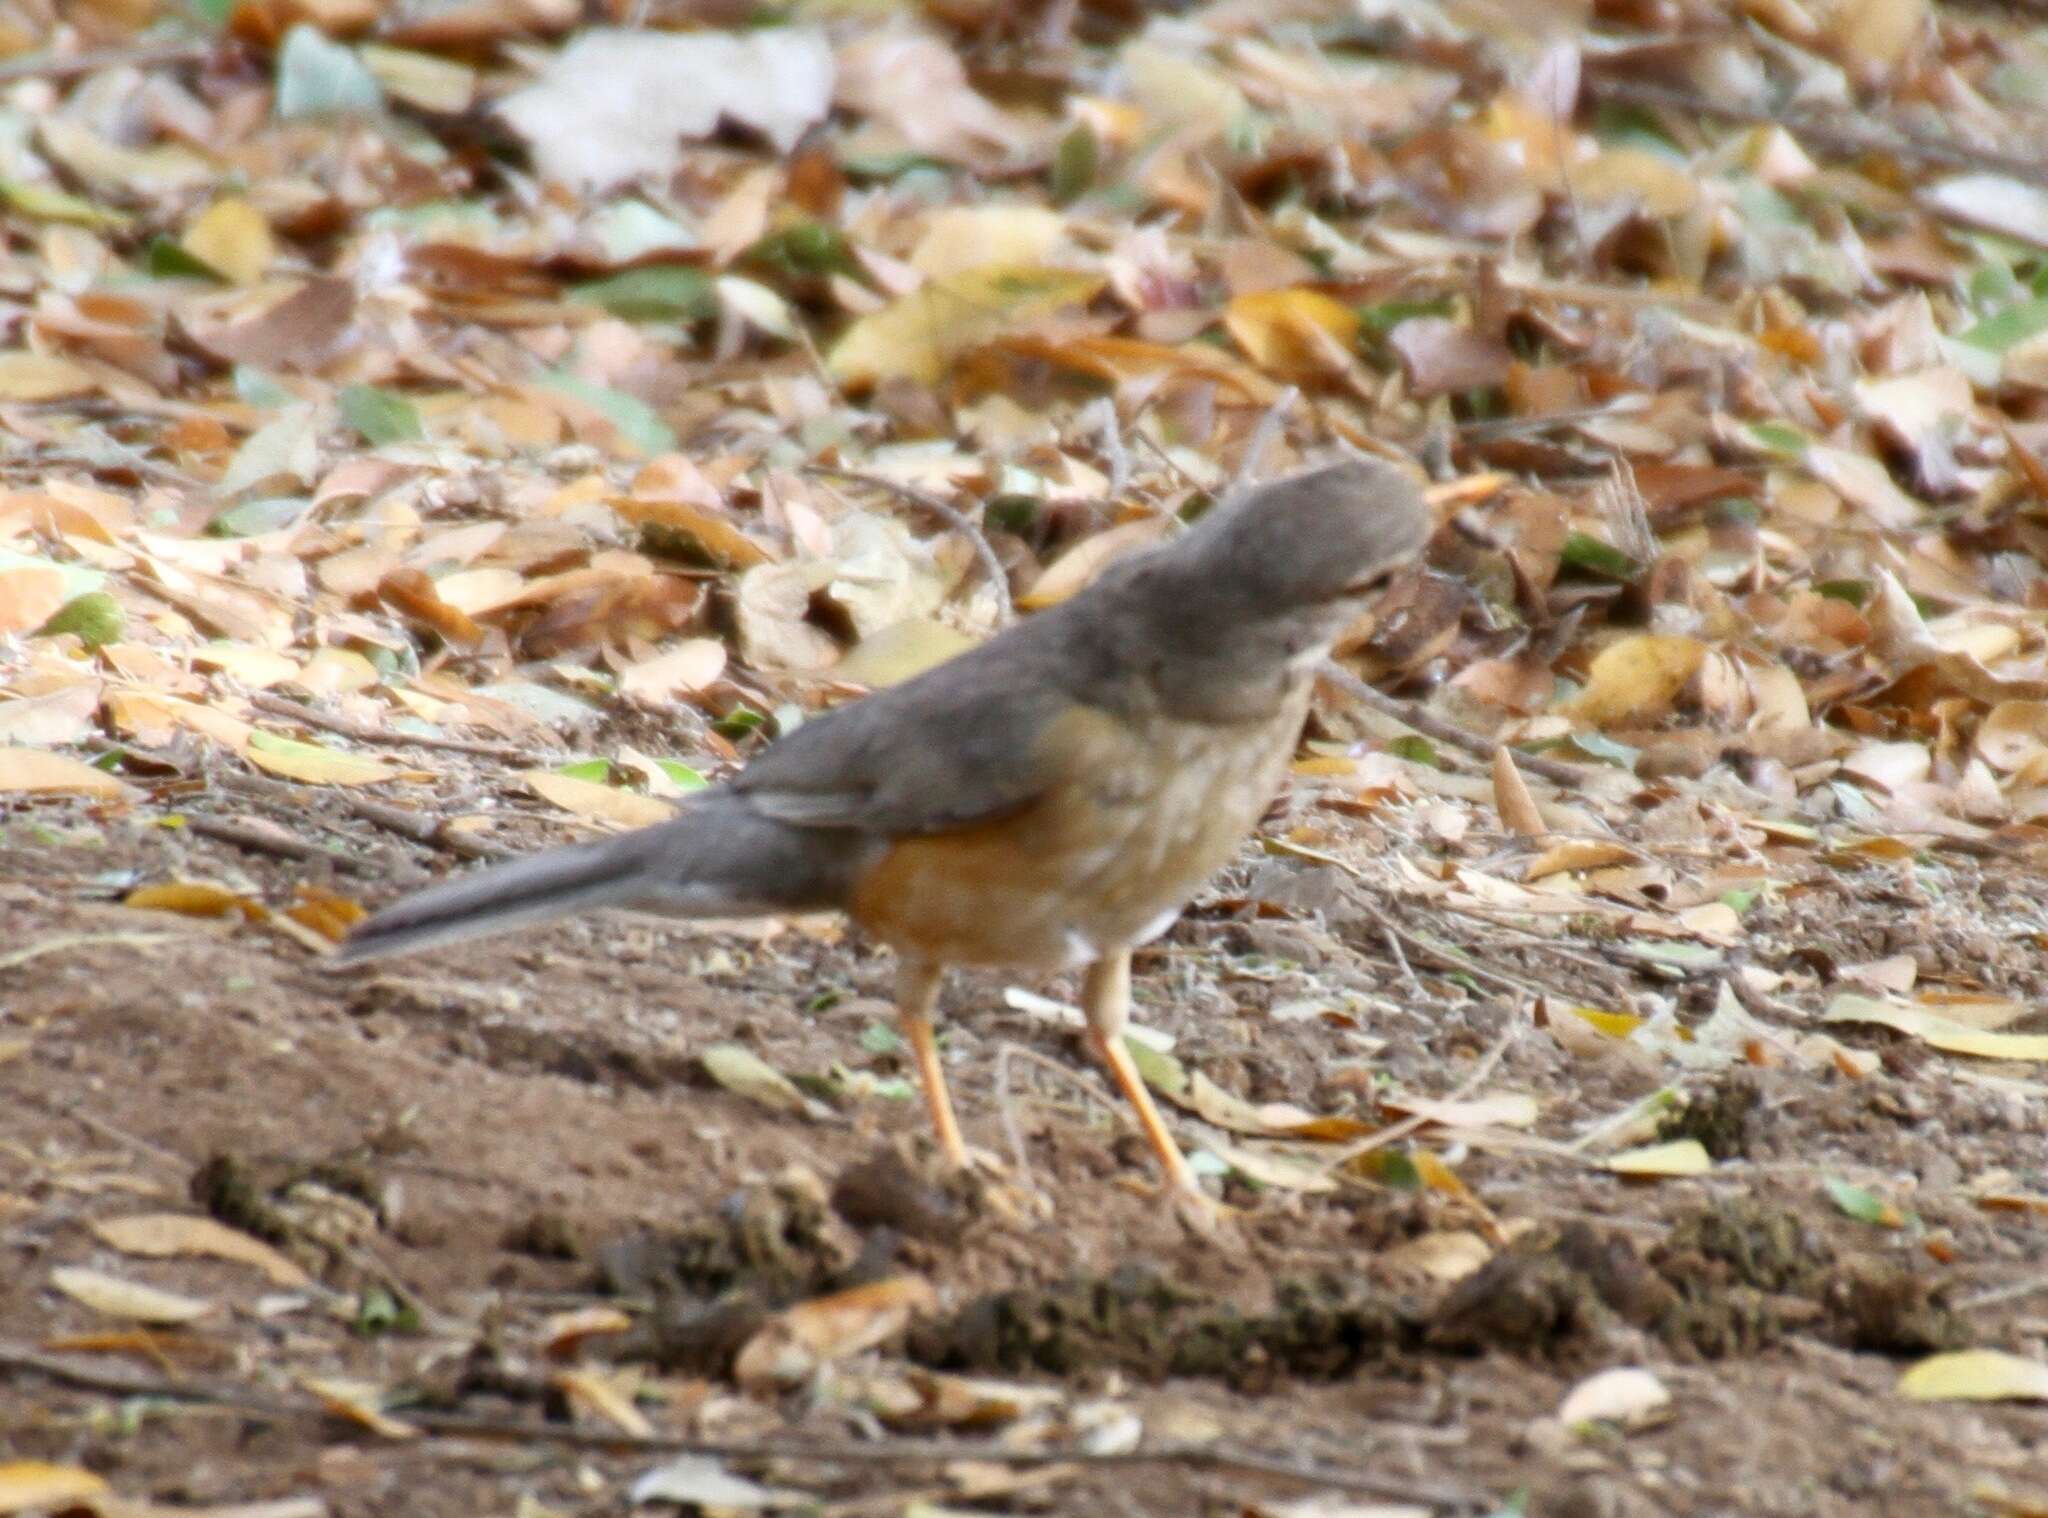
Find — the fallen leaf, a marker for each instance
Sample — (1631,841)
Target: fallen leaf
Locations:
(1680,1157)
(1626,1394)
(33,1484)
(744,1073)
(33,770)
(113,1297)
(1975,1375)
(599,803)
(795,1342)
(160,1235)
(1936,1030)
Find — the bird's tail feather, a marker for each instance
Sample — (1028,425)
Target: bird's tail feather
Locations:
(718,859)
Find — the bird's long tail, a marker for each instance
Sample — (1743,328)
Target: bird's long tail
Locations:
(719,858)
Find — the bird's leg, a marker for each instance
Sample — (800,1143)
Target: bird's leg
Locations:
(1106,998)
(917,993)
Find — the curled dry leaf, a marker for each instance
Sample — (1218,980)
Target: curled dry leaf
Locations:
(599,803)
(160,1235)
(796,1342)
(1976,1375)
(112,1297)
(30,770)
(37,1486)
(1627,1394)
(1681,1157)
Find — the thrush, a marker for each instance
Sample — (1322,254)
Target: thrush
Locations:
(1047,801)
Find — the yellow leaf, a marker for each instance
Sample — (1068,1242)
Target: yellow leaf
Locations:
(42,377)
(159,1235)
(30,595)
(1079,565)
(194,898)
(336,671)
(112,1297)
(1975,1375)
(1289,331)
(1680,1157)
(231,237)
(1613,1024)
(900,651)
(313,763)
(1637,679)
(689,666)
(27,1484)
(600,803)
(597,1393)
(794,1343)
(357,1402)
(38,770)
(1935,1030)
(918,336)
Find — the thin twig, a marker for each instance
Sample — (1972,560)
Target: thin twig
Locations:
(261,840)
(419,827)
(50,66)
(1554,770)
(1840,134)
(776,1448)
(953,516)
(1394,1132)
(1250,466)
(280,706)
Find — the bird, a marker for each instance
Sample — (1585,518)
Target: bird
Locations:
(1047,801)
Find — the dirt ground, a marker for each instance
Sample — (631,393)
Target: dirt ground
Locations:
(460,1146)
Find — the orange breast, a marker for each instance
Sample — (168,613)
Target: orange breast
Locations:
(1105,858)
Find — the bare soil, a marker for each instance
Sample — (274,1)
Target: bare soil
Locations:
(486,1136)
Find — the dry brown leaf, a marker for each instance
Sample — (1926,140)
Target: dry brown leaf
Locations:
(796,1342)
(600,803)
(161,1235)
(112,1297)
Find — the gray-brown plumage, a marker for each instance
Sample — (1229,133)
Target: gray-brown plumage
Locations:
(1048,800)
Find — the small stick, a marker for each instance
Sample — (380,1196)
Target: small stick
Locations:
(259,840)
(1554,770)
(280,706)
(1216,1456)
(953,516)
(1262,437)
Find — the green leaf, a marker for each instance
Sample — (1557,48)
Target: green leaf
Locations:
(738,722)
(1161,1071)
(1862,1204)
(2008,328)
(1777,437)
(167,259)
(880,1038)
(637,422)
(41,202)
(1075,163)
(599,771)
(682,775)
(252,518)
(1855,592)
(1416,749)
(1387,315)
(1584,551)
(381,416)
(1607,750)
(96,618)
(807,248)
(656,293)
(255,388)
(320,77)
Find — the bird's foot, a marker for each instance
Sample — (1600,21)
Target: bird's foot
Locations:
(1204,1216)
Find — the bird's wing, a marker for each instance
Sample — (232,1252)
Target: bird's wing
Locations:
(971,741)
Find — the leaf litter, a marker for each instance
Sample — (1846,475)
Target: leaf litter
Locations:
(366,425)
